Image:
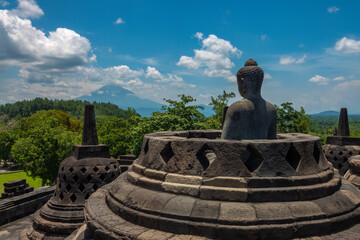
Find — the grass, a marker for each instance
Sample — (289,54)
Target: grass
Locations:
(7,177)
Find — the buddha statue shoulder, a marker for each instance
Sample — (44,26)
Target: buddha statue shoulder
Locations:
(252,117)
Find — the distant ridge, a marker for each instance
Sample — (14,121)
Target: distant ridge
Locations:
(330,113)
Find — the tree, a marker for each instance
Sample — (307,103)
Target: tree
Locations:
(290,120)
(45,139)
(115,133)
(218,104)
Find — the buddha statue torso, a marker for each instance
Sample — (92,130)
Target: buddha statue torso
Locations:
(251,117)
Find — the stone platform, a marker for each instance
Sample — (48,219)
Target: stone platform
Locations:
(193,185)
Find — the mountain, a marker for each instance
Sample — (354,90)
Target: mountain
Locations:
(123,98)
(326,114)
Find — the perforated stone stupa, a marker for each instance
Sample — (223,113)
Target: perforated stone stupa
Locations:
(340,147)
(202,185)
(88,168)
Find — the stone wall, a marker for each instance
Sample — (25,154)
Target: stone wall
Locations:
(23,205)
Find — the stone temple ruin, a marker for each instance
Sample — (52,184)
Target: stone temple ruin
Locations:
(88,168)
(340,147)
(211,185)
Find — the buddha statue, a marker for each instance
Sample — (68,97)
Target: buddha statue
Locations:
(251,117)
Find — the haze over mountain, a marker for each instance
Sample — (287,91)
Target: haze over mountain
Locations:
(122,98)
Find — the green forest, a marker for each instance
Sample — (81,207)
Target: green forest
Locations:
(38,134)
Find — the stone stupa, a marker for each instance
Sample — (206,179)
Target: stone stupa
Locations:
(340,147)
(88,168)
(209,184)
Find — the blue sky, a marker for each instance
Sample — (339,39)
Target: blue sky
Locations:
(309,50)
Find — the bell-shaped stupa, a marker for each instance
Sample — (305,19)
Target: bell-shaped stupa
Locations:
(211,184)
(88,168)
(341,147)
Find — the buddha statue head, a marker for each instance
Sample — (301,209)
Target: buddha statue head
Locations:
(249,79)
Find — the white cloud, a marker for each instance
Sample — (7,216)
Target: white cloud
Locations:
(199,35)
(347,86)
(59,65)
(36,54)
(122,72)
(213,58)
(267,76)
(28,9)
(339,78)
(301,60)
(285,60)
(320,80)
(347,45)
(188,62)
(119,21)
(4,3)
(333,9)
(263,37)
(151,72)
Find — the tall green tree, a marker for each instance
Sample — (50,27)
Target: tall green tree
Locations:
(290,120)
(45,139)
(115,133)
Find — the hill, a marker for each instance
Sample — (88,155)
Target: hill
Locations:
(326,114)
(75,108)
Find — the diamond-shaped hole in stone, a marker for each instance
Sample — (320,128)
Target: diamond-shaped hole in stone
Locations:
(59,185)
(61,196)
(62,168)
(335,158)
(107,168)
(71,169)
(95,169)
(254,160)
(331,152)
(316,153)
(345,159)
(76,178)
(95,187)
(83,170)
(87,196)
(81,187)
(167,152)
(89,178)
(68,187)
(115,167)
(293,157)
(341,153)
(205,156)
(73,198)
(350,153)
(146,147)
(102,177)
(64,177)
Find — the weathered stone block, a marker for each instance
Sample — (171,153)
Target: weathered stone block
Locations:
(226,194)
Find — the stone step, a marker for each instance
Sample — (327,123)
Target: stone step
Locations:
(15,183)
